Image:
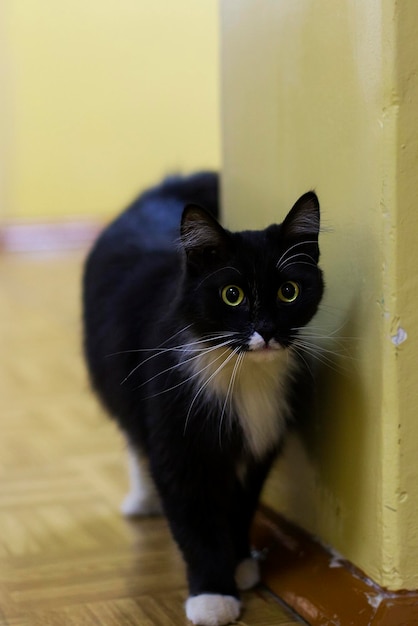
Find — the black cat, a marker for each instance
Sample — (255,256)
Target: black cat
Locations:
(191,342)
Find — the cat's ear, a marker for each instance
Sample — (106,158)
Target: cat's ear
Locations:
(202,237)
(302,221)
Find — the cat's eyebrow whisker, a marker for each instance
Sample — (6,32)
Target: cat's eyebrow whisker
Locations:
(221,269)
(286,252)
(297,263)
(295,256)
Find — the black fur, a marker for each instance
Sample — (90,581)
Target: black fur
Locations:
(160,268)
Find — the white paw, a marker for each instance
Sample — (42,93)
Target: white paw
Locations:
(137,504)
(247,574)
(209,609)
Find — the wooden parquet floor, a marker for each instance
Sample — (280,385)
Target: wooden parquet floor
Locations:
(67,557)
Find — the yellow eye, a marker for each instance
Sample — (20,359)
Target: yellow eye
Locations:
(289,291)
(232,295)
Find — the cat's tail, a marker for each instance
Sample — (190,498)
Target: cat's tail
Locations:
(201,188)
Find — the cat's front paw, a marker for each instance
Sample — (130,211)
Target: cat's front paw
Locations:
(247,574)
(135,504)
(209,609)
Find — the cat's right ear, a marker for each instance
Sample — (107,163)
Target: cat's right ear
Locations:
(203,239)
(302,221)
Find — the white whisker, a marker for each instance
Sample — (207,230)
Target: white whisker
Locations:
(295,256)
(320,354)
(229,392)
(286,265)
(221,269)
(187,347)
(208,380)
(283,258)
(327,333)
(182,330)
(335,346)
(182,382)
(299,352)
(183,362)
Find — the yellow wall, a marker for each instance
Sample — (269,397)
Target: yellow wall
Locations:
(324,95)
(102,97)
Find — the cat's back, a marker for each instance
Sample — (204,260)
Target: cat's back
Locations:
(154,218)
(145,235)
(131,273)
(151,223)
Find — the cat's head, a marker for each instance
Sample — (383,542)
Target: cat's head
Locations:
(253,289)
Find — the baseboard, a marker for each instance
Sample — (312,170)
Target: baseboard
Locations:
(320,587)
(48,236)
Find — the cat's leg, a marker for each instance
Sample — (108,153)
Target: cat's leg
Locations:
(250,483)
(247,573)
(208,552)
(210,559)
(197,509)
(213,599)
(142,498)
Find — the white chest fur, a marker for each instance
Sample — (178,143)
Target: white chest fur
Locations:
(254,383)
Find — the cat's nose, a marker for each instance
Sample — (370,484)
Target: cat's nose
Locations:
(266,332)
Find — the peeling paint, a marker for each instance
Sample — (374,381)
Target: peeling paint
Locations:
(375,600)
(400,336)
(337,559)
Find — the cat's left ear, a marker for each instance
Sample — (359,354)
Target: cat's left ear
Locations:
(302,221)
(202,237)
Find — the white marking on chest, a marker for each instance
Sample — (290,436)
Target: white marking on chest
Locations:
(258,393)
